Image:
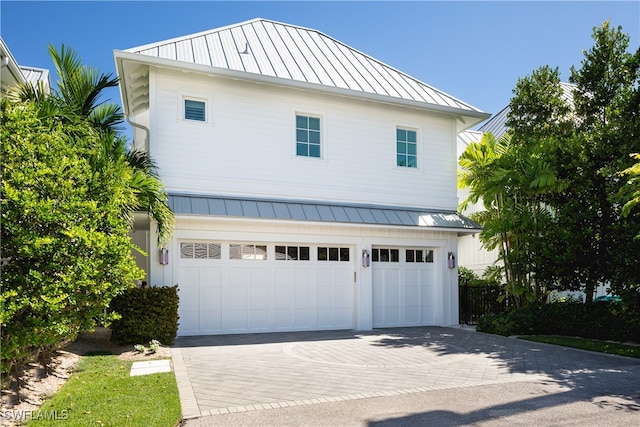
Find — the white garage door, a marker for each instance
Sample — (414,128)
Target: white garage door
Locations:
(404,291)
(227,287)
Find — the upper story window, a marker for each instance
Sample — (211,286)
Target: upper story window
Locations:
(307,136)
(194,110)
(406,148)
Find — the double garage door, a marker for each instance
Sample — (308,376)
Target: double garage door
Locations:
(228,287)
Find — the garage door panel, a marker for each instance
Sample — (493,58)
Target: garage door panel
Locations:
(403,291)
(326,296)
(326,317)
(344,317)
(392,288)
(210,298)
(412,315)
(235,297)
(189,321)
(259,298)
(259,320)
(283,297)
(189,298)
(188,277)
(211,321)
(235,320)
(306,318)
(210,276)
(305,297)
(283,319)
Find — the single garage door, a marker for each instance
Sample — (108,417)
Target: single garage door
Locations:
(228,287)
(404,291)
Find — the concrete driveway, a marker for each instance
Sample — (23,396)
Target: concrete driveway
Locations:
(228,379)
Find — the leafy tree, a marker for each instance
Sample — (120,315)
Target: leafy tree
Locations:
(70,187)
(78,94)
(510,179)
(582,135)
(631,190)
(65,246)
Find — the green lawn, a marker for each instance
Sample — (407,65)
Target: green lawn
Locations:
(101,393)
(585,344)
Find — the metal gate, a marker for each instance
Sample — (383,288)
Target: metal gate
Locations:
(478,301)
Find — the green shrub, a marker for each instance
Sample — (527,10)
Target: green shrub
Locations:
(66,250)
(147,314)
(601,320)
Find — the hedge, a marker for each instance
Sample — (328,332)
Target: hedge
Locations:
(599,320)
(149,313)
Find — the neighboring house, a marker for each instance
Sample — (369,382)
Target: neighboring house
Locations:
(12,74)
(314,187)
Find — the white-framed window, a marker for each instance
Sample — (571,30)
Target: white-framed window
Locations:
(406,147)
(195,250)
(308,136)
(292,253)
(332,253)
(245,252)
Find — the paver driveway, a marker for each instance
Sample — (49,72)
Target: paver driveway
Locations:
(237,373)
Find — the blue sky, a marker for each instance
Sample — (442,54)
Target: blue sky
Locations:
(473,50)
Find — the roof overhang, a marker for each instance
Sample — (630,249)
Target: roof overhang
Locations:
(131,70)
(10,70)
(320,212)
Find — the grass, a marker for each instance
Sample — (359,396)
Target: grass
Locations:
(101,393)
(585,344)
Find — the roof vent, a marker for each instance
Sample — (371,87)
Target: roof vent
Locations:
(246,49)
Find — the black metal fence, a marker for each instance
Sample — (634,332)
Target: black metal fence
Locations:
(478,301)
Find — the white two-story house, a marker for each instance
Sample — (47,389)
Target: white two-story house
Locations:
(314,187)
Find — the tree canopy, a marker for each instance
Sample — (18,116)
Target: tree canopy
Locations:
(70,187)
(567,146)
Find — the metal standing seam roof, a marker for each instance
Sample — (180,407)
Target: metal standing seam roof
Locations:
(317,211)
(469,136)
(294,53)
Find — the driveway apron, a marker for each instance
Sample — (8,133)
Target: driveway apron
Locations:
(238,373)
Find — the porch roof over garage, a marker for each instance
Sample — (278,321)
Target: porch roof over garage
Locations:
(185,204)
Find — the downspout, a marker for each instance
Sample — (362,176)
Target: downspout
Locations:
(144,128)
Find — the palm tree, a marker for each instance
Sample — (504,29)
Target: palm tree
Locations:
(78,94)
(510,180)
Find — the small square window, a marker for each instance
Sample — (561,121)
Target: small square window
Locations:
(194,110)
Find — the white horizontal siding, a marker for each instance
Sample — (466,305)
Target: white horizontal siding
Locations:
(248,147)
